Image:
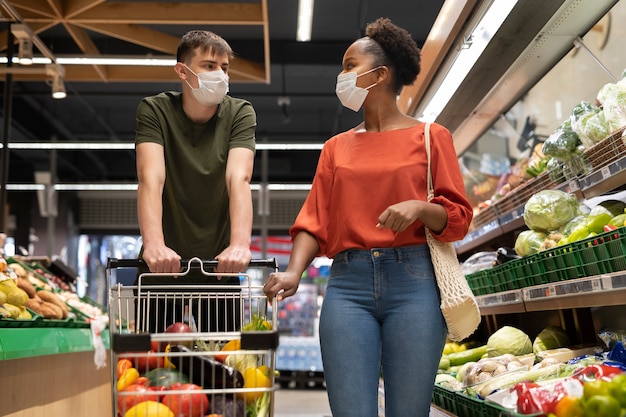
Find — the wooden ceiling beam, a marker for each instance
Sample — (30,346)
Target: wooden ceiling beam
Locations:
(173,13)
(137,74)
(84,42)
(33,7)
(76,7)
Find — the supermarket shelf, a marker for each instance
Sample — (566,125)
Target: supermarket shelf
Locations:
(606,179)
(478,237)
(19,342)
(596,291)
(501,303)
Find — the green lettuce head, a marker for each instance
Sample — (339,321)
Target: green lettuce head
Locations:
(548,210)
(509,339)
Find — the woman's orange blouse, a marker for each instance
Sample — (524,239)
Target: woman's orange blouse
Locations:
(359,174)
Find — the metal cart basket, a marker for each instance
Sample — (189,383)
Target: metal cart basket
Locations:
(204,347)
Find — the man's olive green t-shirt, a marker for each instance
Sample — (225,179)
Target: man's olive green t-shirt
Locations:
(196,221)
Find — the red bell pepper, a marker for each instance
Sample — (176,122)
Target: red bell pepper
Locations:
(596,371)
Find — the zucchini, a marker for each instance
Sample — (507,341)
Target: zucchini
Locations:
(469,355)
(444,362)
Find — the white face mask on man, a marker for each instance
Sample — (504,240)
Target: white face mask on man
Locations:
(347,91)
(212,87)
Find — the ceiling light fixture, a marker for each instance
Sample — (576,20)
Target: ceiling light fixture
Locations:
(109,146)
(305,20)
(133,187)
(468,53)
(103,60)
(25,53)
(57,72)
(25,39)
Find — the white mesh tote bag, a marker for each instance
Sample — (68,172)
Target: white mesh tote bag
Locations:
(458,305)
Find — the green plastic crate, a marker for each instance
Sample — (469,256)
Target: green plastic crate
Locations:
(480,282)
(528,271)
(468,406)
(603,253)
(444,398)
(561,263)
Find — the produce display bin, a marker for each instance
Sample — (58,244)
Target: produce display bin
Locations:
(560,264)
(468,406)
(480,282)
(527,271)
(445,398)
(604,253)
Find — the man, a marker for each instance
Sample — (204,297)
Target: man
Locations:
(195,154)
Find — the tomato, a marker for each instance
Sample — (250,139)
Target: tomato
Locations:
(254,378)
(140,394)
(187,404)
(123,365)
(145,361)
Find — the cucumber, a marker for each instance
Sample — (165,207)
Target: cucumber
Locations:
(469,355)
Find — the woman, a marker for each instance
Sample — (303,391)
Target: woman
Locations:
(367,210)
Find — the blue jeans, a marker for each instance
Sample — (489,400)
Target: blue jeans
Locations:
(381,313)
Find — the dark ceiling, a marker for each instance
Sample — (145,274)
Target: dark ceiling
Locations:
(101,103)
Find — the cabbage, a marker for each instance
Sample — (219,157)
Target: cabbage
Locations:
(589,123)
(509,339)
(551,337)
(548,210)
(562,143)
(613,99)
(594,128)
(528,242)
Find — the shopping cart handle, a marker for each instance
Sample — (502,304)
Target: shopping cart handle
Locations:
(137,263)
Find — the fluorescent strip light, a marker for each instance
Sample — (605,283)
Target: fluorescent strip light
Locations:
(133,187)
(135,61)
(109,146)
(305,20)
(467,56)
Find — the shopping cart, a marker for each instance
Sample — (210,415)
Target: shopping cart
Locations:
(192,350)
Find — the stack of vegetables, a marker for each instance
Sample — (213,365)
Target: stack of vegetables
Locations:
(587,125)
(556,218)
(519,376)
(182,376)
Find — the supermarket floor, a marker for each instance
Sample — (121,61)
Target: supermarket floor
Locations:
(313,403)
(301,403)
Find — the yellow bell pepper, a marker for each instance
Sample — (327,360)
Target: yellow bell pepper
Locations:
(129,377)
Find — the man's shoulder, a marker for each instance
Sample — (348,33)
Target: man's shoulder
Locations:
(234,105)
(164,98)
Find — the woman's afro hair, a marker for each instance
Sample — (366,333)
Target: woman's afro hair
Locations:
(399,48)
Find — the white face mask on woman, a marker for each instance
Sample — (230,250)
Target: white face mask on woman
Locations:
(347,91)
(212,87)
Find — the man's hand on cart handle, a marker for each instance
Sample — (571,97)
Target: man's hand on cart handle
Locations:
(233,259)
(161,259)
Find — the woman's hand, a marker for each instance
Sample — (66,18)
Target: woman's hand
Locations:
(281,285)
(399,216)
